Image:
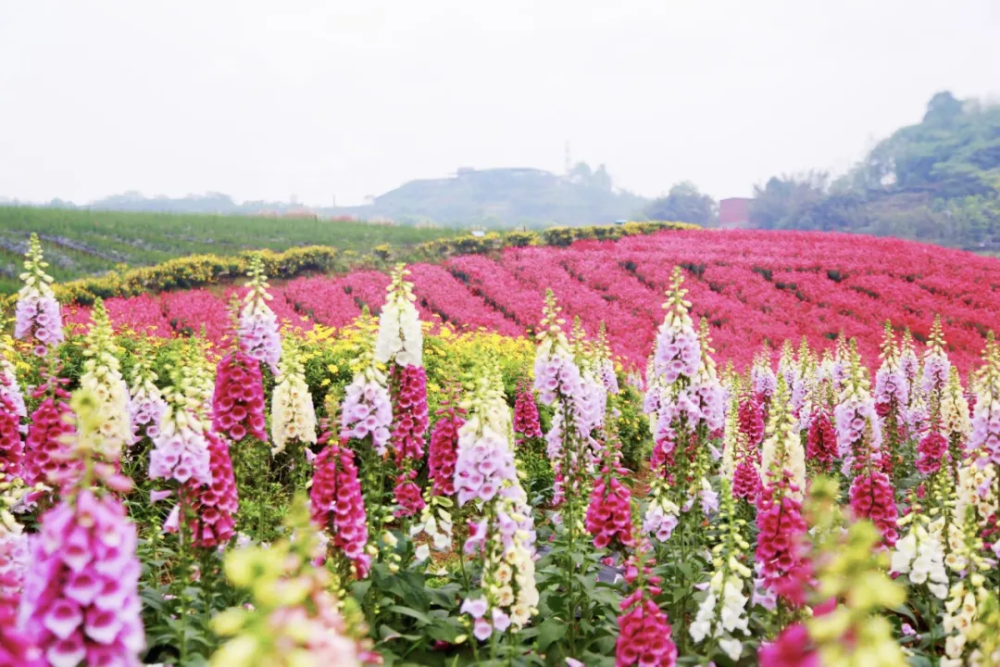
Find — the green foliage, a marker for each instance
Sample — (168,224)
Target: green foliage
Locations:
(81,242)
(938,181)
(685,203)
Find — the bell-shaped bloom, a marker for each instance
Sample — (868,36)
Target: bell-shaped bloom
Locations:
(81,599)
(238,401)
(37,317)
(46,458)
(210,508)
(409,410)
(337,506)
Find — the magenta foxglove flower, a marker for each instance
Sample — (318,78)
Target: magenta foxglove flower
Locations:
(211,507)
(47,458)
(11,446)
(443,454)
(337,506)
(81,600)
(238,401)
(37,317)
(409,410)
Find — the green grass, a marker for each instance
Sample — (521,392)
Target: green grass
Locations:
(82,243)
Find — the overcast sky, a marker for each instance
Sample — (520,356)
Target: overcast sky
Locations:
(354,97)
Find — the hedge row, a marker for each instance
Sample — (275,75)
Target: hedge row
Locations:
(201,270)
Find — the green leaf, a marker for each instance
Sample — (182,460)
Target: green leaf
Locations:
(412,613)
(550,631)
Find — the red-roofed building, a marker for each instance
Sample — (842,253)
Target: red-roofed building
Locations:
(734,212)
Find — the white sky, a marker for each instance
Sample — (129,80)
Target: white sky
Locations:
(349,98)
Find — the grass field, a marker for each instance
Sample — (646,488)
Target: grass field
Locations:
(80,243)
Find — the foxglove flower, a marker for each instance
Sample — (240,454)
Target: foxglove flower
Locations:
(931,453)
(11,445)
(780,552)
(210,509)
(46,459)
(921,556)
(821,444)
(10,390)
(37,318)
(180,445)
(872,497)
(258,325)
(238,401)
(609,516)
(526,423)
(367,410)
(102,376)
(937,367)
(400,338)
(485,477)
(443,453)
(337,506)
(409,394)
(407,495)
(293,416)
(81,598)
(146,404)
(643,629)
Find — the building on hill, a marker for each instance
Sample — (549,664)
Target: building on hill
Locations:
(734,213)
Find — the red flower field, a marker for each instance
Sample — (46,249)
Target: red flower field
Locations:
(753,286)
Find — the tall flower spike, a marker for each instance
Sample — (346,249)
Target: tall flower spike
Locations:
(258,325)
(38,318)
(81,591)
(102,376)
(936,364)
(367,408)
(293,416)
(210,509)
(336,504)
(485,477)
(400,337)
(560,384)
(46,458)
(146,404)
(643,629)
(780,550)
(180,447)
(984,443)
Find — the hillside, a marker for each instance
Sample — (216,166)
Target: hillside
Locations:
(754,287)
(937,180)
(80,242)
(507,197)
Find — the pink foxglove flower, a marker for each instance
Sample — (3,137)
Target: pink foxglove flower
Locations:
(81,590)
(644,633)
(792,648)
(210,508)
(872,497)
(821,445)
(337,506)
(443,454)
(46,459)
(407,495)
(258,325)
(609,516)
(146,406)
(11,445)
(367,411)
(931,453)
(238,401)
(409,399)
(526,423)
(37,317)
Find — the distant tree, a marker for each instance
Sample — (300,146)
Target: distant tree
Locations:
(601,178)
(779,204)
(943,109)
(684,203)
